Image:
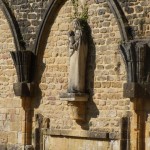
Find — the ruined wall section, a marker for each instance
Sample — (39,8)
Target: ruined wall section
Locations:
(106,73)
(10,106)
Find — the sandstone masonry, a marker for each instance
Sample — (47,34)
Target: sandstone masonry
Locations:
(42,119)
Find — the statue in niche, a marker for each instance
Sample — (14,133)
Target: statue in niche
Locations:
(78,49)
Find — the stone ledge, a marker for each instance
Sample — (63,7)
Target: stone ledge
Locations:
(72,97)
(4,146)
(82,134)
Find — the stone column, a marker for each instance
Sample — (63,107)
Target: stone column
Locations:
(27,123)
(139,126)
(24,64)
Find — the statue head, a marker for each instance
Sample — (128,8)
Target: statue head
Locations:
(77,24)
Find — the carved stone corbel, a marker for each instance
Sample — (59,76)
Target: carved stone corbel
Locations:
(136,56)
(77,104)
(23,61)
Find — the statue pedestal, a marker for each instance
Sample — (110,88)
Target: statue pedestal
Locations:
(74,97)
(77,104)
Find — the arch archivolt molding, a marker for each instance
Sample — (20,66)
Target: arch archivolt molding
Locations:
(48,19)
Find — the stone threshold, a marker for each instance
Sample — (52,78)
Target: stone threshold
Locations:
(82,134)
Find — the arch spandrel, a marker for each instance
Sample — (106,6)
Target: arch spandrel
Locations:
(13,25)
(6,38)
(7,70)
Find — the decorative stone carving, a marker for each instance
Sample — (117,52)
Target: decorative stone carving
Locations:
(23,61)
(78,49)
(77,104)
(136,56)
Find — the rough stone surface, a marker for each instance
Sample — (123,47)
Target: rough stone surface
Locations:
(29,14)
(73,97)
(137,13)
(105,76)
(10,106)
(67,143)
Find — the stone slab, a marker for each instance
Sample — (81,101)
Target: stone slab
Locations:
(81,134)
(74,97)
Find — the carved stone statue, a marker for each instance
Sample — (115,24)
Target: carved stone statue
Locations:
(78,48)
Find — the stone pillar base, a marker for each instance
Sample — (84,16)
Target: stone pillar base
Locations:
(23,89)
(77,104)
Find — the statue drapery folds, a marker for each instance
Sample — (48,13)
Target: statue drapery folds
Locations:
(78,49)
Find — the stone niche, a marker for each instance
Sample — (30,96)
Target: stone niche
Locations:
(78,51)
(136,56)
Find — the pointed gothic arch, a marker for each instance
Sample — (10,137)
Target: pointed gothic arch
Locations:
(55,5)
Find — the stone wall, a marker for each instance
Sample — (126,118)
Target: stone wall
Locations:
(105,76)
(29,14)
(137,13)
(10,106)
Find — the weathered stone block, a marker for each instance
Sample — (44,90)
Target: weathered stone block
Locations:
(12,138)
(131,90)
(136,90)
(13,147)
(76,133)
(3,137)
(114,135)
(28,147)
(74,97)
(2,117)
(3,147)
(23,89)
